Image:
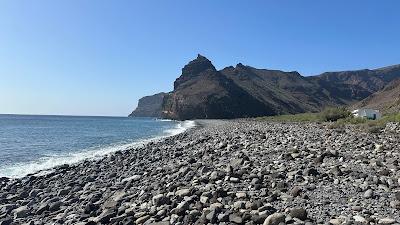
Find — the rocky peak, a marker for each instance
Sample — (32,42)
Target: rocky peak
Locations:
(196,67)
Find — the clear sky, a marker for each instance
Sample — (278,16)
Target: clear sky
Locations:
(96,57)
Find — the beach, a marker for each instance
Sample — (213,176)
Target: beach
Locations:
(222,172)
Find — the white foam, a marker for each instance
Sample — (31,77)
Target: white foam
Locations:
(44,165)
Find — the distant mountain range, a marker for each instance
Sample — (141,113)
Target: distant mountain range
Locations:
(244,91)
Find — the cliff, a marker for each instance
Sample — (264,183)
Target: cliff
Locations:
(203,92)
(149,106)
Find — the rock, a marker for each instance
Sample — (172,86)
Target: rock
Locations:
(239,205)
(55,206)
(299,213)
(368,194)
(336,171)
(42,207)
(223,217)
(142,219)
(182,192)
(160,199)
(21,212)
(132,178)
(386,221)
(234,218)
(397,195)
(63,192)
(275,219)
(212,216)
(360,219)
(296,191)
(104,216)
(234,179)
(160,223)
(6,221)
(241,195)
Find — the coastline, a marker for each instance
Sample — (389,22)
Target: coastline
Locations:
(221,171)
(47,164)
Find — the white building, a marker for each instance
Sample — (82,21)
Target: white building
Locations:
(371,114)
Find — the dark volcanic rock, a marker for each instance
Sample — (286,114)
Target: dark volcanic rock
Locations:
(149,106)
(243,91)
(202,92)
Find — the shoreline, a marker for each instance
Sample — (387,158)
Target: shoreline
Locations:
(222,171)
(96,154)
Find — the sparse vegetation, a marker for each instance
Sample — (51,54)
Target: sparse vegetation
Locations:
(334,114)
(328,115)
(302,117)
(339,118)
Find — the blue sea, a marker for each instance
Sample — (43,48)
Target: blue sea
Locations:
(29,144)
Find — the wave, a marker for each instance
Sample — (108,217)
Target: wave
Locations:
(45,164)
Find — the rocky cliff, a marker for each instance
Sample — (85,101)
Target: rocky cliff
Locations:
(149,106)
(201,91)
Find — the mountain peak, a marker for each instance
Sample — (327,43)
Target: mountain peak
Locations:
(198,65)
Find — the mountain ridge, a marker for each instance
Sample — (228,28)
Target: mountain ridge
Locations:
(202,91)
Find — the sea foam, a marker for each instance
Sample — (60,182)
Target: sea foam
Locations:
(45,164)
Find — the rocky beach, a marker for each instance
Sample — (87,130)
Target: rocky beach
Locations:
(223,172)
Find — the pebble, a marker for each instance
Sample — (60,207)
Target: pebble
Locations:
(225,172)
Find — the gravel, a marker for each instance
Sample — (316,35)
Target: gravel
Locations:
(222,172)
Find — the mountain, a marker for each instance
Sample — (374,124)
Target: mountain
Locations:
(282,92)
(386,100)
(349,86)
(201,91)
(149,106)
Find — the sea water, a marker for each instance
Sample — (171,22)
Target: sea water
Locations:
(29,144)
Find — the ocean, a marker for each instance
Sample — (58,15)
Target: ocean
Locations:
(29,144)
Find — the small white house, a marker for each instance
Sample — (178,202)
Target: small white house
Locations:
(370,114)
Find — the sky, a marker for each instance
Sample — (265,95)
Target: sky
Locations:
(95,57)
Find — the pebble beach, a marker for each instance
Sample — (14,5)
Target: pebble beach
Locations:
(222,172)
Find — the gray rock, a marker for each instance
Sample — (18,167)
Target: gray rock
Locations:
(368,194)
(21,212)
(299,213)
(275,219)
(234,218)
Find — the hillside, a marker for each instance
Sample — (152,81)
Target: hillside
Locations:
(201,91)
(386,100)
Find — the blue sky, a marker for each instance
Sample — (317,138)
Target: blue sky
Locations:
(98,57)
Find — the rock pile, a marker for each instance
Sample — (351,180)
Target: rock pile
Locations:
(233,172)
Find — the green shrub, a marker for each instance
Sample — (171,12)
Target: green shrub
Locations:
(352,120)
(334,114)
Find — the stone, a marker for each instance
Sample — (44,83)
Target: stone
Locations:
(386,221)
(142,219)
(21,212)
(368,194)
(55,206)
(397,195)
(212,216)
(360,219)
(299,213)
(160,199)
(132,178)
(296,191)
(275,219)
(241,195)
(234,218)
(182,192)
